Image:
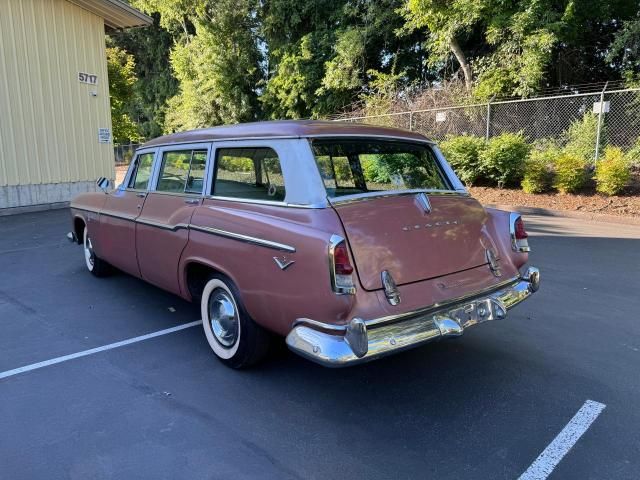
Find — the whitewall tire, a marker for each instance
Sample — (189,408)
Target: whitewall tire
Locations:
(232,335)
(95,265)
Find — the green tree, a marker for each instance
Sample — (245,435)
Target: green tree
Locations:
(625,52)
(216,60)
(156,83)
(447,21)
(122,80)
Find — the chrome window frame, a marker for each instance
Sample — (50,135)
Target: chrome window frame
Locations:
(153,186)
(124,186)
(457,188)
(275,145)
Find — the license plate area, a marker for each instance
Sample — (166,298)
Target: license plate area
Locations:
(477,312)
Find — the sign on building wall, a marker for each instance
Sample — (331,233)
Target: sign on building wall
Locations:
(89,78)
(104,135)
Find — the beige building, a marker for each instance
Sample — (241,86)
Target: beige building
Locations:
(55,121)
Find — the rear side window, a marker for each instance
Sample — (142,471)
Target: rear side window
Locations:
(142,172)
(359,166)
(249,173)
(182,171)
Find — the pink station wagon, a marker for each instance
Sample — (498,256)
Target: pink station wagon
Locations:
(352,241)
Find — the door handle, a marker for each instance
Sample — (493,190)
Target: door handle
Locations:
(141,194)
(192,202)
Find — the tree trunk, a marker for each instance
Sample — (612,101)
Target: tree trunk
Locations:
(464,64)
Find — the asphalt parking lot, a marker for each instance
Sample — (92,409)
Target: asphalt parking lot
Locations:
(482,406)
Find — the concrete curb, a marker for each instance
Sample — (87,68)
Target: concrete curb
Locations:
(590,216)
(32,208)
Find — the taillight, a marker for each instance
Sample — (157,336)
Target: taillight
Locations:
(341,260)
(340,266)
(521,233)
(519,242)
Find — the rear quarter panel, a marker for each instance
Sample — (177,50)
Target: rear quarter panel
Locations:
(274,298)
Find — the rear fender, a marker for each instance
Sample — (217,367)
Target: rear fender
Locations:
(498,226)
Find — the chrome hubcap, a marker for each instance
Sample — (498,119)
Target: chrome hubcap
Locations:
(88,251)
(223,317)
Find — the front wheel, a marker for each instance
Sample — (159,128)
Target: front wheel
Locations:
(95,265)
(233,336)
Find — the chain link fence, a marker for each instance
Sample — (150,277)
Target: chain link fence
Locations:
(618,113)
(124,153)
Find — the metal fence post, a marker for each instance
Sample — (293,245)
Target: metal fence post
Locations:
(601,111)
(411,120)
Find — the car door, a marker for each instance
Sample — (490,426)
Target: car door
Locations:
(162,229)
(117,242)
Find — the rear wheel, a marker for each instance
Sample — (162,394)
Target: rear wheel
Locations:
(233,336)
(95,265)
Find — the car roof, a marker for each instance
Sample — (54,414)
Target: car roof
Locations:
(284,129)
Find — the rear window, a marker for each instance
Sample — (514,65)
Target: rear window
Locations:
(350,167)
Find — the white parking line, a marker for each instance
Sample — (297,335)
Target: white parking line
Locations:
(91,351)
(560,446)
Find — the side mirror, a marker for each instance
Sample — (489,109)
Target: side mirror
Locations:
(103,184)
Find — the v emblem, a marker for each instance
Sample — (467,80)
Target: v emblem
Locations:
(283,263)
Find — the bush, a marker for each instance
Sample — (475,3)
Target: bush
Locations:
(571,173)
(462,152)
(503,158)
(612,172)
(373,169)
(634,155)
(538,169)
(581,136)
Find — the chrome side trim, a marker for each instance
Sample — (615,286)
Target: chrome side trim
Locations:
(163,226)
(244,238)
(121,216)
(214,231)
(264,202)
(359,197)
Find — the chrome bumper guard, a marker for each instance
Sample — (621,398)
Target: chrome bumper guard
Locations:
(365,340)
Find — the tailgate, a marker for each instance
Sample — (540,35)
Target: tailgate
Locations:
(414,243)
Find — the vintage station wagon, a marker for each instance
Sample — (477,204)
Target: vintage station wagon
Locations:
(352,241)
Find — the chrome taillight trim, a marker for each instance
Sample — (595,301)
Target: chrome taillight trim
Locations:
(513,217)
(334,241)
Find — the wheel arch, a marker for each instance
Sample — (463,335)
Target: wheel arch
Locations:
(79,224)
(194,275)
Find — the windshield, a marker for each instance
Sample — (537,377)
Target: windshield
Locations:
(350,167)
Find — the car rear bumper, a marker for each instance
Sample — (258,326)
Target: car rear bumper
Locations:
(365,340)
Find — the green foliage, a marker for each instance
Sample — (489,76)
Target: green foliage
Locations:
(463,153)
(503,158)
(625,52)
(570,173)
(207,62)
(612,172)
(538,169)
(634,154)
(216,60)
(581,136)
(122,80)
(150,46)
(236,164)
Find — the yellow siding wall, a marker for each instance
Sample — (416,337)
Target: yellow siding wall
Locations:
(48,119)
